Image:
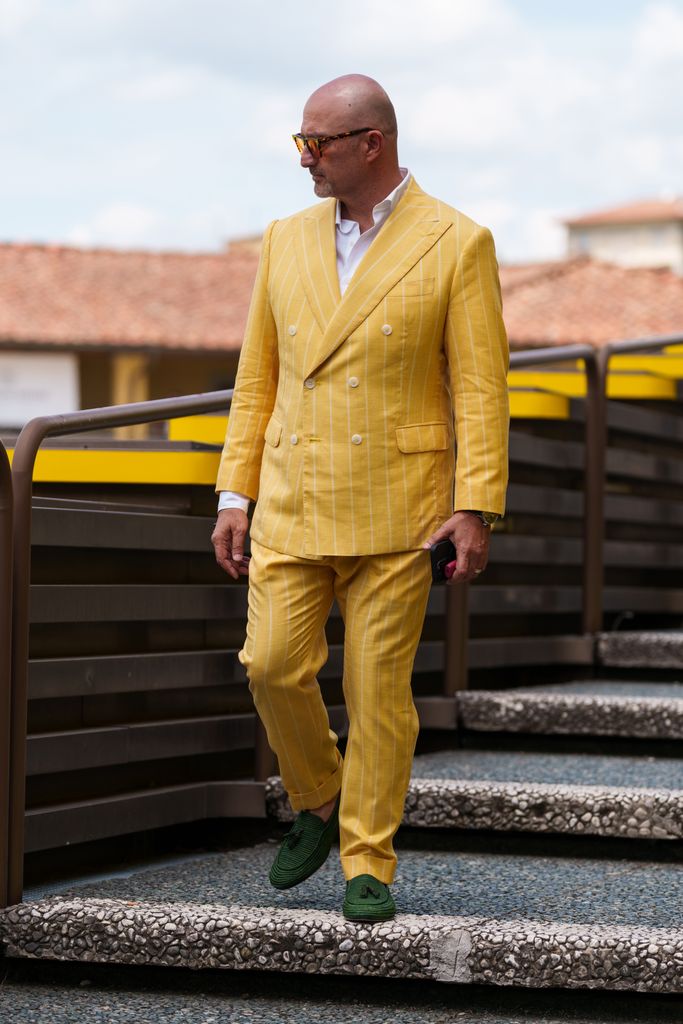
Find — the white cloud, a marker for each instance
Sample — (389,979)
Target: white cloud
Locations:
(404,29)
(16,15)
(119,225)
(659,35)
(171,121)
(162,85)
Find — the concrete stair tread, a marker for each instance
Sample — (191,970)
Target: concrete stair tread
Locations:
(616,688)
(585,794)
(594,707)
(661,649)
(502,919)
(62,993)
(551,769)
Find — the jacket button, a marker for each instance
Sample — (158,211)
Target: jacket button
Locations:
(292,330)
(387,328)
(294,439)
(356,439)
(309,383)
(353,382)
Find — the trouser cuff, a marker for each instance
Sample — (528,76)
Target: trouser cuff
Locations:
(317,797)
(379,867)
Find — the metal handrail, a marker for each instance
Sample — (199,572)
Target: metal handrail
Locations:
(595,435)
(457,597)
(25,452)
(5,658)
(596,364)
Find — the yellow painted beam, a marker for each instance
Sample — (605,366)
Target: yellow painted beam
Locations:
(206,429)
(619,385)
(641,385)
(561,383)
(531,405)
(664,366)
(63,465)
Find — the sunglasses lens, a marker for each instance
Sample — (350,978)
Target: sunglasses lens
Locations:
(299,142)
(313,148)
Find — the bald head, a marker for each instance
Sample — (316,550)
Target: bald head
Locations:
(354,120)
(354,101)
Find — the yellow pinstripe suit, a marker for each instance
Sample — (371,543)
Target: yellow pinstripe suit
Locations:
(343,427)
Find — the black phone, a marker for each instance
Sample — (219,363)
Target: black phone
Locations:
(441,554)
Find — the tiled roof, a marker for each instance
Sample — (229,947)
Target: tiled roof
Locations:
(99,298)
(57,295)
(584,301)
(633,213)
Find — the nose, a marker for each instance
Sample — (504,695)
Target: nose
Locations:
(307,159)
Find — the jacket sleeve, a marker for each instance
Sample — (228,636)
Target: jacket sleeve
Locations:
(477,353)
(255,389)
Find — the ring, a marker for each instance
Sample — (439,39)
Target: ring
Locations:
(477,571)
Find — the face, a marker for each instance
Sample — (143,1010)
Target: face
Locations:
(341,168)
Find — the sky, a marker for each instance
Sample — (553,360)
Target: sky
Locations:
(166,124)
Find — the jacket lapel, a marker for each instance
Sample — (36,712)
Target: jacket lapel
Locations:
(409,232)
(316,257)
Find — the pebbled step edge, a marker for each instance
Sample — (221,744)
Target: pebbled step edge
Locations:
(462,950)
(641,649)
(571,714)
(524,807)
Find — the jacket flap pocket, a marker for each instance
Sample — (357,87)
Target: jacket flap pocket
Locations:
(417,287)
(273,432)
(423,437)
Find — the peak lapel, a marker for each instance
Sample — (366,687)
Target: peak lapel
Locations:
(409,232)
(316,257)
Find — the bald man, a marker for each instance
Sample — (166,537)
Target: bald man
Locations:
(375,340)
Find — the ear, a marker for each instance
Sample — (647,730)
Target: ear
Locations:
(374,142)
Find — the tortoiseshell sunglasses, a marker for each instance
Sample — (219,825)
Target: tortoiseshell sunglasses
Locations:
(314,143)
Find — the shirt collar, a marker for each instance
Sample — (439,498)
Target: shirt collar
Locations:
(381,210)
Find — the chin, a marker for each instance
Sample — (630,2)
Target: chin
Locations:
(322,189)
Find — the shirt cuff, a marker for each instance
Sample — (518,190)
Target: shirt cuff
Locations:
(231,499)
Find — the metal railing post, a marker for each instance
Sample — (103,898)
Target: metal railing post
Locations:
(457,638)
(594,490)
(28,444)
(265,762)
(5,662)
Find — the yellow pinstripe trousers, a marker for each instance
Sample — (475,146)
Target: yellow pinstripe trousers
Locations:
(382,599)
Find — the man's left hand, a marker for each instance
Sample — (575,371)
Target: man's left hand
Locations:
(471,539)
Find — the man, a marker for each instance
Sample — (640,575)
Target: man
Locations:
(375,333)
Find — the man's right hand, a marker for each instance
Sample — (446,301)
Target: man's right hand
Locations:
(228,538)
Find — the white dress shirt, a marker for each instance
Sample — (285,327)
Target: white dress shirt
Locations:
(351,247)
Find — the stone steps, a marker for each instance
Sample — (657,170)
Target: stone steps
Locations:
(661,649)
(595,708)
(580,794)
(472,919)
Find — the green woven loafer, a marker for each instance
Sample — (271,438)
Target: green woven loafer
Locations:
(304,849)
(368,899)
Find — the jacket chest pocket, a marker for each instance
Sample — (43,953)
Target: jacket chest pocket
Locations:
(410,303)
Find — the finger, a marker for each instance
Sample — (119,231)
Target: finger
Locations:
(464,565)
(238,536)
(443,533)
(223,558)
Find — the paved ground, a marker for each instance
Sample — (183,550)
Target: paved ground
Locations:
(50,993)
(607,688)
(499,886)
(563,769)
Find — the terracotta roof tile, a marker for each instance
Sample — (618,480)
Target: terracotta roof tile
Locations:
(634,213)
(60,296)
(584,301)
(55,295)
